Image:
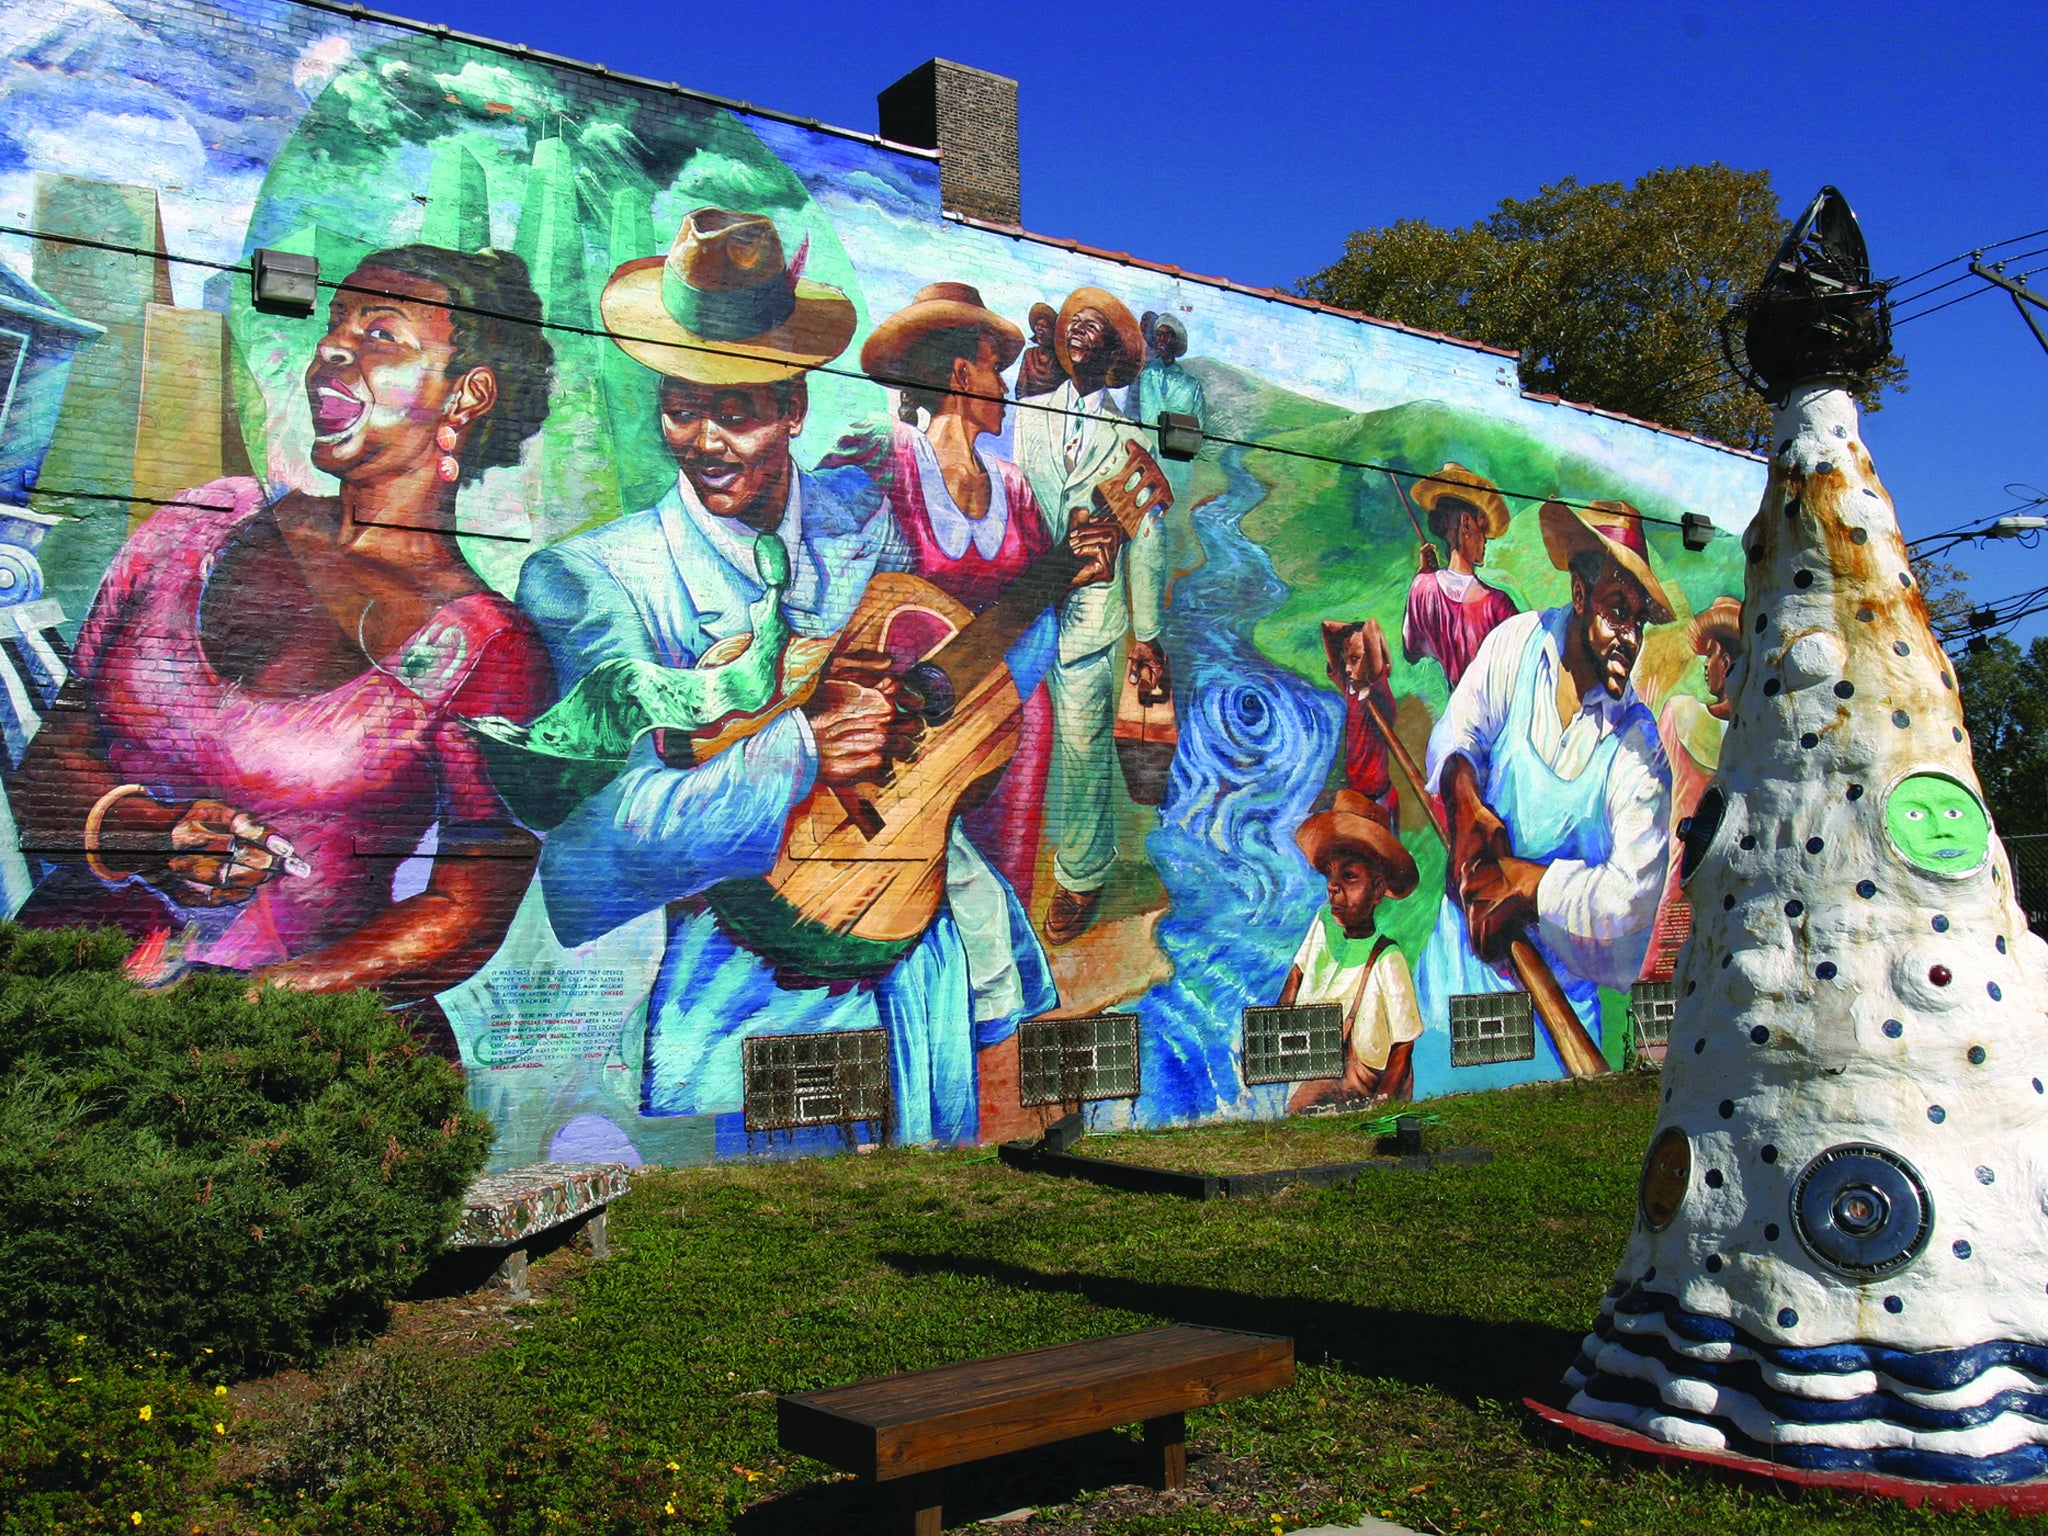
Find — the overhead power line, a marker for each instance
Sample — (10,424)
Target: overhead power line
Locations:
(1221,440)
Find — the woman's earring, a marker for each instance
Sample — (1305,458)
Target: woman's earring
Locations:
(444,437)
(448,469)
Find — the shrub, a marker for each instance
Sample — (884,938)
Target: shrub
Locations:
(231,1183)
(87,1448)
(404,1410)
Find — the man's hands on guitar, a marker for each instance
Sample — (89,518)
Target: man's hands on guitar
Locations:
(1097,542)
(1150,673)
(858,719)
(1496,889)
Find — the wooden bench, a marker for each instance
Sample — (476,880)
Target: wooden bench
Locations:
(907,1429)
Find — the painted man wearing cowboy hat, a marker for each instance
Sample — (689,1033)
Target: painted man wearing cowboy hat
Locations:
(729,328)
(1164,384)
(1343,960)
(1450,610)
(1553,781)
(1065,450)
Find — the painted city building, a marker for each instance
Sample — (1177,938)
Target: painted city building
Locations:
(719,636)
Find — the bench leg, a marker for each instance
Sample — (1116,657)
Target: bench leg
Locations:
(1166,1447)
(511,1276)
(921,1500)
(594,1229)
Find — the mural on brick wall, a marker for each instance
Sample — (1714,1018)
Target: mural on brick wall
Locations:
(723,647)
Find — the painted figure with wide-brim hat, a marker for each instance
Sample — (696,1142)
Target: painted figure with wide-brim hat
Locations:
(1555,789)
(729,325)
(970,517)
(1343,959)
(1067,443)
(1040,372)
(1451,610)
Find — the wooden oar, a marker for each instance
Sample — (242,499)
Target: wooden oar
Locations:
(1575,1048)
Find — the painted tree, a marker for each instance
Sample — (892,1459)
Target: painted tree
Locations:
(1840,1259)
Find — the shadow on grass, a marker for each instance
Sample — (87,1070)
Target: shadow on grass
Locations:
(1050,1475)
(1468,1358)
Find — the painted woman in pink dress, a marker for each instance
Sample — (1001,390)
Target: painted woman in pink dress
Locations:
(1450,610)
(264,715)
(970,518)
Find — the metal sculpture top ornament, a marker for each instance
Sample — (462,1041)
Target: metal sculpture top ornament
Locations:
(1818,313)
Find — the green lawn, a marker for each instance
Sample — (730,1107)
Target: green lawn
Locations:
(1422,1306)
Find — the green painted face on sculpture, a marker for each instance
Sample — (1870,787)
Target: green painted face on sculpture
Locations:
(1937,824)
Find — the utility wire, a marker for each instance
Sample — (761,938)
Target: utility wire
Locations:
(1030,403)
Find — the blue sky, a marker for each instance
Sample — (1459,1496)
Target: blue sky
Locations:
(1248,140)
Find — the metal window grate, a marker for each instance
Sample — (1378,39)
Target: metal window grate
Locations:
(1292,1045)
(835,1078)
(1065,1061)
(1491,1026)
(1651,1006)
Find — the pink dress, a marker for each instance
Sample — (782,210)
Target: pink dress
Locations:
(1440,625)
(354,776)
(974,560)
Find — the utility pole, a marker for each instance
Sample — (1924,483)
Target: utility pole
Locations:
(2022,296)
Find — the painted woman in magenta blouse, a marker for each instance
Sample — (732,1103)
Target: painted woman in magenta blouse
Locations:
(264,715)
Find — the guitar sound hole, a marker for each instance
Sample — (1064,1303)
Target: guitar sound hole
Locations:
(935,698)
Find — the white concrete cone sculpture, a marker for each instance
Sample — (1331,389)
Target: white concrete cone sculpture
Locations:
(1840,1258)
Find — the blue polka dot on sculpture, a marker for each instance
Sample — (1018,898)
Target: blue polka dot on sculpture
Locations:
(1976,1055)
(1825,970)
(1986,1176)
(1936,1113)
(1809,741)
(1814,845)
(1758,1035)
(1794,907)
(1893,1305)
(1901,719)
(1996,995)
(1845,689)
(1960,1247)
(1940,924)
(1713,1263)
(1714,1178)
(1893,1029)
(1866,889)
(1787,1318)
(1727,1109)
(1768,1153)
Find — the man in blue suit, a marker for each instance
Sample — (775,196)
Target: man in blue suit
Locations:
(731,328)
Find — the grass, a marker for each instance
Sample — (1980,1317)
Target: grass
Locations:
(1422,1306)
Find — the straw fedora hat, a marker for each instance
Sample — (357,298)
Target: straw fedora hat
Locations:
(1457,483)
(1612,528)
(1120,319)
(1720,622)
(1356,824)
(937,307)
(724,307)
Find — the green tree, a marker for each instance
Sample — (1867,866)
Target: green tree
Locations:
(1611,292)
(2005,701)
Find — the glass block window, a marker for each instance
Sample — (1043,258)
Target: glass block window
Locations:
(1291,1045)
(835,1078)
(1651,1005)
(1066,1061)
(1491,1026)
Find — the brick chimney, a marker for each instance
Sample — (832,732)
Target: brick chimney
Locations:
(970,117)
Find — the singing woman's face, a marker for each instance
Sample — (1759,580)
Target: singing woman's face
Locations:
(378,383)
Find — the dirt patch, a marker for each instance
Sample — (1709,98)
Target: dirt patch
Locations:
(1076,1488)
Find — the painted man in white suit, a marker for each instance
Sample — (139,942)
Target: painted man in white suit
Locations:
(1066,449)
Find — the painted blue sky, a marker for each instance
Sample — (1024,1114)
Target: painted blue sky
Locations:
(1247,140)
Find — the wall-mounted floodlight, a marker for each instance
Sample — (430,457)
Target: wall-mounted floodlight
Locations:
(1180,437)
(286,283)
(1697,529)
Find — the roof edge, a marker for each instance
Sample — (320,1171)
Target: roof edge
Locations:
(670,87)
(1280,296)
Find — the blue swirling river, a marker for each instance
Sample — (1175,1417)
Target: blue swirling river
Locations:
(1256,745)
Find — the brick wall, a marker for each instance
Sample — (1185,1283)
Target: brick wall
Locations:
(969,116)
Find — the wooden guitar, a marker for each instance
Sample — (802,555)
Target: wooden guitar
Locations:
(869,861)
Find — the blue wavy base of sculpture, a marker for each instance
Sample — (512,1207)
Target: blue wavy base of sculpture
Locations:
(1977,1415)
